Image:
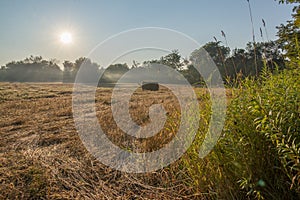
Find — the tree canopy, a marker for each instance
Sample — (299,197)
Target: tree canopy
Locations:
(289,35)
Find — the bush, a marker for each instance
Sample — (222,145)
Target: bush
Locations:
(262,136)
(258,155)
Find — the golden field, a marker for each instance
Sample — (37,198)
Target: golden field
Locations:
(42,156)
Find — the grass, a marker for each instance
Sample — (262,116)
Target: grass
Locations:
(257,156)
(42,155)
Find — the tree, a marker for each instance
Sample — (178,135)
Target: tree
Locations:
(218,53)
(192,75)
(32,69)
(89,72)
(289,35)
(172,60)
(68,71)
(114,72)
(68,66)
(267,53)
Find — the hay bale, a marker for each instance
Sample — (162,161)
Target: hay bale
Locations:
(152,86)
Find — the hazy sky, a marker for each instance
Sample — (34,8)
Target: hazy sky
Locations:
(34,27)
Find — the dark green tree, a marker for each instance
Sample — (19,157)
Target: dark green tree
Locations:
(172,60)
(32,69)
(113,73)
(289,35)
(219,54)
(89,73)
(192,76)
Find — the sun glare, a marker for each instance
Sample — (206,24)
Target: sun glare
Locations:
(66,38)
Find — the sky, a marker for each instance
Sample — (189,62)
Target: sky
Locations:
(34,27)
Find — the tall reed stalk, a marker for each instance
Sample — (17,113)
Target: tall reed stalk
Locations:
(233,63)
(267,36)
(222,57)
(253,36)
(266,31)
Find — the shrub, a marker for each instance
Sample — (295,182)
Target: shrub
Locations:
(262,136)
(258,155)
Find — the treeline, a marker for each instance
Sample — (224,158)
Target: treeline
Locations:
(238,63)
(32,69)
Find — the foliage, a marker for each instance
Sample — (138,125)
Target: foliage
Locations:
(219,54)
(289,36)
(71,69)
(32,69)
(231,66)
(113,73)
(260,149)
(172,60)
(193,76)
(258,154)
(241,63)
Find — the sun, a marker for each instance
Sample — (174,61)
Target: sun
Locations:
(66,38)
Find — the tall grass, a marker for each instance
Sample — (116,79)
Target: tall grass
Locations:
(227,45)
(258,155)
(253,37)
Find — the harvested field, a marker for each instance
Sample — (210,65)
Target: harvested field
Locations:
(42,156)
